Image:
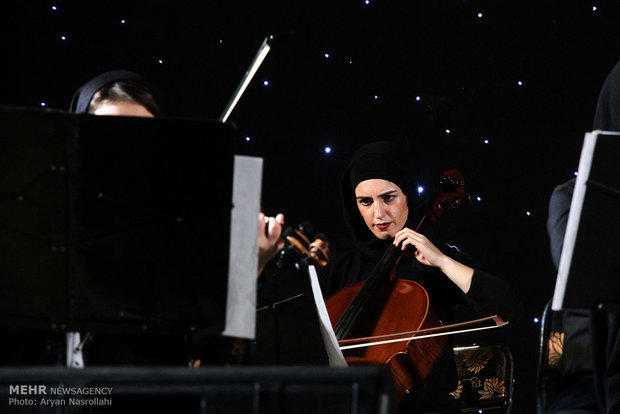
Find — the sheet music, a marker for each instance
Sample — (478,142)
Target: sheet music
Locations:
(574,215)
(334,354)
(243,259)
(75,358)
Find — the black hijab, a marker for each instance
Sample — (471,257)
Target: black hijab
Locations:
(381,159)
(606,118)
(607,115)
(82,97)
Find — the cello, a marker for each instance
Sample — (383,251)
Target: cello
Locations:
(369,320)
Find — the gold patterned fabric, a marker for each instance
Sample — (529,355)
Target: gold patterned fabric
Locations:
(483,375)
(555,349)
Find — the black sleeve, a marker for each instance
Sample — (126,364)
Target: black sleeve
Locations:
(559,206)
(488,294)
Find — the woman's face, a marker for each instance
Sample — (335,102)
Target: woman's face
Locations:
(122,108)
(383,206)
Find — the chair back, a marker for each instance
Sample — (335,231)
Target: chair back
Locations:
(485,376)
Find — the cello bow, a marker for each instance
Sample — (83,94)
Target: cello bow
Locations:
(488,322)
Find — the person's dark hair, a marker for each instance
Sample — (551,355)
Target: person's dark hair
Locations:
(124,91)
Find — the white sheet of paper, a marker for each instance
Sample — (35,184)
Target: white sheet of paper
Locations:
(243,259)
(334,354)
(574,216)
(74,359)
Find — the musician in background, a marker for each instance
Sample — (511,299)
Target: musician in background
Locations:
(126,93)
(121,93)
(118,93)
(589,380)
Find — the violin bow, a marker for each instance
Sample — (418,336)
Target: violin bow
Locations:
(422,333)
(249,74)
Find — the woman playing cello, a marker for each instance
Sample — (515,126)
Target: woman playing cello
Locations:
(377,208)
(378,213)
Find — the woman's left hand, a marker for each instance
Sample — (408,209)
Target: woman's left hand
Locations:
(426,252)
(269,240)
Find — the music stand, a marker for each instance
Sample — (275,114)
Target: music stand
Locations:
(588,269)
(115,224)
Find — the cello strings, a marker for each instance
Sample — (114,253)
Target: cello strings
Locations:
(349,317)
(345,324)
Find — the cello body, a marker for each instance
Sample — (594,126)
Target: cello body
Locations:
(397,306)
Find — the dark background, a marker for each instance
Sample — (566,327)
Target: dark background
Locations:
(466,70)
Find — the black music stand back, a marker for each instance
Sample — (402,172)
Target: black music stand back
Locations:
(113,224)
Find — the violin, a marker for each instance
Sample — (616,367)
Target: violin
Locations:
(368,317)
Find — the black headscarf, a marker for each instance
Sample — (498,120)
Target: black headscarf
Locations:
(606,118)
(82,97)
(380,159)
(607,115)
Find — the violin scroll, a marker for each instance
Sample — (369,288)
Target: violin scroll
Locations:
(319,251)
(297,241)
